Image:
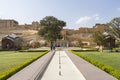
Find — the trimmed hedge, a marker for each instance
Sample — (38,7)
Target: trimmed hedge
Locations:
(100,65)
(32,50)
(85,50)
(5,75)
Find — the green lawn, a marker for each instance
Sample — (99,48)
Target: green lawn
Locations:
(109,62)
(111,59)
(11,59)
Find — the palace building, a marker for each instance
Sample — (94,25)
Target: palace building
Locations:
(13,24)
(8,23)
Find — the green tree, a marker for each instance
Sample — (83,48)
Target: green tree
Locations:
(99,38)
(113,28)
(51,28)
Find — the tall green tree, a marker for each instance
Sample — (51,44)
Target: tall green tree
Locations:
(51,28)
(113,28)
(99,38)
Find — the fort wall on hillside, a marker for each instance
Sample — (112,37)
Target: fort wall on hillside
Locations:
(29,32)
(13,24)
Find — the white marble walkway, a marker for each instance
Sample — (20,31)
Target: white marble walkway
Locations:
(62,68)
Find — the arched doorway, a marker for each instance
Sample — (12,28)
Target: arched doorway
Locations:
(11,42)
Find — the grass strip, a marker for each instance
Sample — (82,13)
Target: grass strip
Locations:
(100,65)
(5,75)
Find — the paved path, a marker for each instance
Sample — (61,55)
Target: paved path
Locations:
(89,71)
(34,70)
(62,68)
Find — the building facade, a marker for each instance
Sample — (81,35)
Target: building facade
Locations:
(13,24)
(11,42)
(8,23)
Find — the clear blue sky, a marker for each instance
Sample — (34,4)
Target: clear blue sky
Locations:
(77,13)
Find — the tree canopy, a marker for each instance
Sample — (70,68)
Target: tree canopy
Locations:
(99,38)
(113,28)
(51,28)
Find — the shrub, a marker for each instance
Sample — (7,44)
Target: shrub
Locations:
(87,50)
(32,50)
